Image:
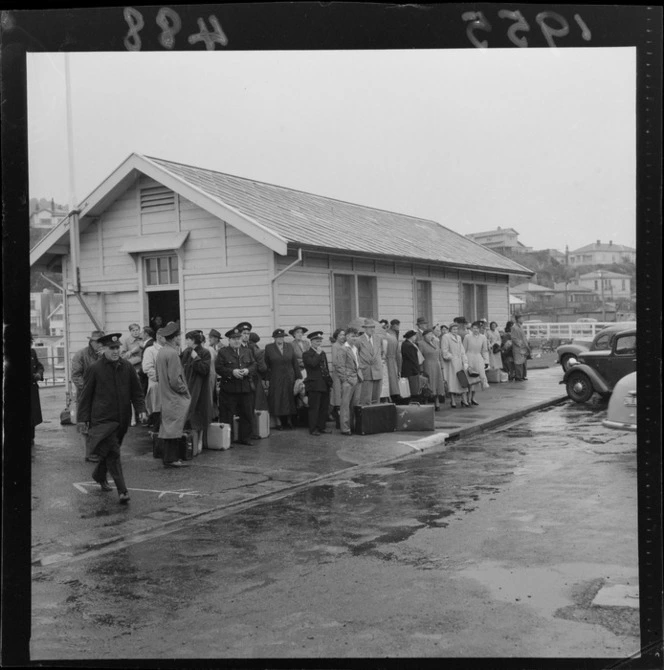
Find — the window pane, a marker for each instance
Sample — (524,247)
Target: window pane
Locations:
(343,300)
(366,297)
(468,302)
(174,269)
(481,302)
(163,270)
(423,289)
(152,271)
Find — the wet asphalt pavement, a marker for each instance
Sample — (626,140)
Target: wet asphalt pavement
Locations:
(495,545)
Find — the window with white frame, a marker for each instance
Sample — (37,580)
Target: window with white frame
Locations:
(423,300)
(161,270)
(354,295)
(475,303)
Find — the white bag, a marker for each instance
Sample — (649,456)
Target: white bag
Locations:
(404,387)
(261,423)
(385,385)
(219,436)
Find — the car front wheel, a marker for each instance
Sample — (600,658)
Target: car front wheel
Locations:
(579,387)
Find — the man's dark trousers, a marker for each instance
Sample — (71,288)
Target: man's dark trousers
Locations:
(108,451)
(240,404)
(319,406)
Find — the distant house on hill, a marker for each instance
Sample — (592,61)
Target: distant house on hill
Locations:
(613,284)
(501,240)
(47,218)
(533,293)
(212,249)
(602,254)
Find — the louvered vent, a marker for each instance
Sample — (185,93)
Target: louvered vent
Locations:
(157,199)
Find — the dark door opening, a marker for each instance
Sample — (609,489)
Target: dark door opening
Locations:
(165,304)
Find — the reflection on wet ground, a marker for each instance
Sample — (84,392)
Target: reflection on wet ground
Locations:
(196,573)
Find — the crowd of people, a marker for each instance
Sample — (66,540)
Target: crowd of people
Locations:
(176,387)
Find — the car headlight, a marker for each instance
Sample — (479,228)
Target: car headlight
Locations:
(572,361)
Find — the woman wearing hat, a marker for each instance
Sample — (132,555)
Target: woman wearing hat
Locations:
(282,371)
(35,403)
(300,345)
(455,359)
(477,352)
(196,365)
(433,365)
(410,362)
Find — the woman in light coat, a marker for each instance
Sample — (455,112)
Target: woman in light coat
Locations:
(494,338)
(477,352)
(433,365)
(338,340)
(392,356)
(152,399)
(454,360)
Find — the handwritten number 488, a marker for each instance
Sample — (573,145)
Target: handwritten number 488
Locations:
(477,21)
(169,22)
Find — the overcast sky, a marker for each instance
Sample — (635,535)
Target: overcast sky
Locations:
(539,140)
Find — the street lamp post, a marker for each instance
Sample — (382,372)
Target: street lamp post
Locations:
(601,286)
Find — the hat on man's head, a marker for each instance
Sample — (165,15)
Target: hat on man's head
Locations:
(253,337)
(111,340)
(368,323)
(316,335)
(302,328)
(279,332)
(95,335)
(460,320)
(243,325)
(422,319)
(409,334)
(233,333)
(395,322)
(214,333)
(171,329)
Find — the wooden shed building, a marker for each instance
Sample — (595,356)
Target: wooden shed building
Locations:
(211,249)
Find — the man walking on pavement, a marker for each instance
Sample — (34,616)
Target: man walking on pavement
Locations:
(371,364)
(318,383)
(173,395)
(236,366)
(80,364)
(110,390)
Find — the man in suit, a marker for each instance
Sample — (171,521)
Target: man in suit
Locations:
(422,325)
(371,365)
(235,366)
(318,383)
(350,376)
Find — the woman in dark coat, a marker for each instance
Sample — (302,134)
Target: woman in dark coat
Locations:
(260,399)
(410,363)
(196,365)
(35,403)
(283,369)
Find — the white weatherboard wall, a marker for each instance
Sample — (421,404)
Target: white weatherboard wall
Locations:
(498,298)
(395,298)
(445,299)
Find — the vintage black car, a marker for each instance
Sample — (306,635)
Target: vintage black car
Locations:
(598,371)
(602,341)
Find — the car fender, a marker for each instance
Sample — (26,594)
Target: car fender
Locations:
(598,383)
(573,349)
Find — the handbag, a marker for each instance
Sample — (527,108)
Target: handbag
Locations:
(425,389)
(496,348)
(472,373)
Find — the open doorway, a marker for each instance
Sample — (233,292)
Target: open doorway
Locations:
(165,304)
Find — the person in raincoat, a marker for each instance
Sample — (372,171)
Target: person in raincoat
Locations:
(282,371)
(299,344)
(494,342)
(35,403)
(174,396)
(152,400)
(110,390)
(433,365)
(477,353)
(520,349)
(392,352)
(196,365)
(455,359)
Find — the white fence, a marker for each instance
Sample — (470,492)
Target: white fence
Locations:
(567,331)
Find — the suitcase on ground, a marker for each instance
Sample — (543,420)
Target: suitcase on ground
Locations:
(186,446)
(404,387)
(261,423)
(467,381)
(157,446)
(371,419)
(495,376)
(219,436)
(415,417)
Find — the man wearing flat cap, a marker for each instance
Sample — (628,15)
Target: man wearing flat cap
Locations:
(174,396)
(110,390)
(80,364)
(236,366)
(318,383)
(369,348)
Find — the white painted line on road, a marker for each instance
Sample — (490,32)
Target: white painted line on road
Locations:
(425,442)
(180,493)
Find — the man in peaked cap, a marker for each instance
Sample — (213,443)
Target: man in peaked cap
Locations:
(80,364)
(245,329)
(236,366)
(110,389)
(318,383)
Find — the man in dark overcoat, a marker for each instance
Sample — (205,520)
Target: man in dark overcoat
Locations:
(110,389)
(318,383)
(236,366)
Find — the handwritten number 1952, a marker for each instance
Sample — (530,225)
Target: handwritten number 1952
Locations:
(169,22)
(546,20)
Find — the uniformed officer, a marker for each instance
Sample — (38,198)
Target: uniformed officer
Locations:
(236,366)
(317,383)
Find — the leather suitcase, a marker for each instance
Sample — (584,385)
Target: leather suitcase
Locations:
(371,419)
(404,387)
(466,381)
(186,446)
(495,376)
(157,446)
(219,436)
(261,423)
(415,417)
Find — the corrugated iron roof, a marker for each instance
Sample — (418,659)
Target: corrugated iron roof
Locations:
(315,221)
